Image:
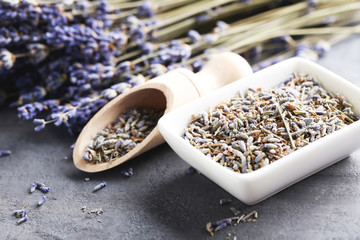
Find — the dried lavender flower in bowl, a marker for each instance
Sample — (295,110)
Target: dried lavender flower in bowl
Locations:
(257,144)
(122,135)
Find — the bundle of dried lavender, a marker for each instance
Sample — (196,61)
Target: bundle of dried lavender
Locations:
(68,59)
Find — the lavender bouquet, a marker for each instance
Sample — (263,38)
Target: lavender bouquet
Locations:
(61,61)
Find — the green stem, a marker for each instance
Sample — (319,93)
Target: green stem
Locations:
(179,14)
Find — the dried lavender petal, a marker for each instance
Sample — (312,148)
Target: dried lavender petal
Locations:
(125,173)
(4,153)
(221,226)
(130,171)
(42,200)
(39,184)
(190,170)
(20,213)
(33,187)
(23,219)
(100,186)
(44,189)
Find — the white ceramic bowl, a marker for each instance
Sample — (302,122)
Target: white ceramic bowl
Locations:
(255,186)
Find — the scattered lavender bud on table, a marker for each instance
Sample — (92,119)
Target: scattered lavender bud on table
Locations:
(42,200)
(99,186)
(44,189)
(225,201)
(83,208)
(190,170)
(87,179)
(23,219)
(20,213)
(4,153)
(40,186)
(221,226)
(127,173)
(33,187)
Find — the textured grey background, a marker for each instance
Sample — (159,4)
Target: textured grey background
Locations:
(161,201)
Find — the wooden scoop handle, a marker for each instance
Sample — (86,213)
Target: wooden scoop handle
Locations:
(222,69)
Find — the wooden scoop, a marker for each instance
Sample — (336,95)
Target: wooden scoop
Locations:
(166,92)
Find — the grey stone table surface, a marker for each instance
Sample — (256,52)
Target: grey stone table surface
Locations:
(161,201)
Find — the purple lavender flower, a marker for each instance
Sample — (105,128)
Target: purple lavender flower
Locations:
(190,170)
(39,184)
(157,69)
(7,59)
(30,110)
(81,5)
(109,93)
(37,52)
(100,186)
(87,157)
(42,200)
(303,50)
(329,20)
(33,187)
(40,124)
(23,219)
(11,36)
(226,221)
(221,226)
(322,47)
(4,153)
(127,173)
(194,36)
(222,26)
(312,3)
(121,87)
(32,13)
(102,11)
(203,17)
(136,80)
(94,74)
(59,118)
(197,65)
(137,29)
(44,189)
(147,48)
(20,213)
(130,171)
(35,94)
(147,9)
